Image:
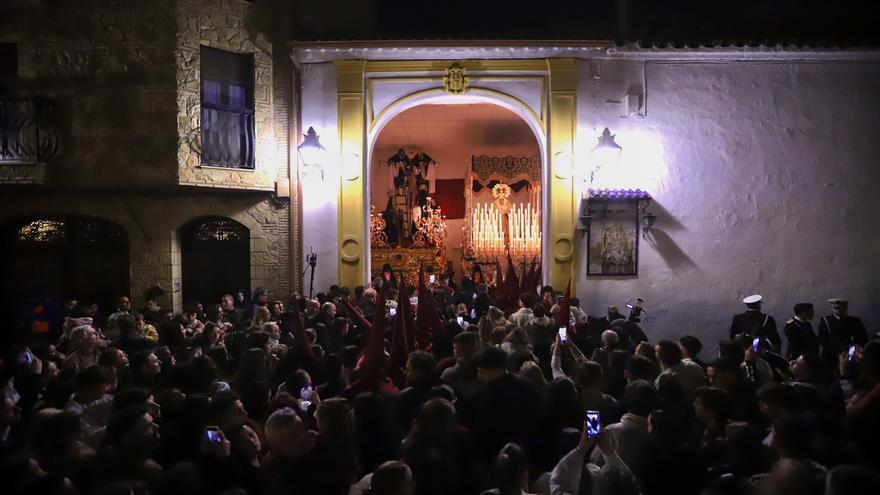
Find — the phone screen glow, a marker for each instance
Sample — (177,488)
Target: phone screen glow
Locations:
(213,435)
(594,426)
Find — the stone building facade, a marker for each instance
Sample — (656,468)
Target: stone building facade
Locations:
(121,81)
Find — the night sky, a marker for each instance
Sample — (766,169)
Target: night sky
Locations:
(680,22)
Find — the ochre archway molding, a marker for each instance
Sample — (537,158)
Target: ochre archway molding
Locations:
(554,123)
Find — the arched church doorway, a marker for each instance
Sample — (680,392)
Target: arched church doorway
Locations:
(57,257)
(455,183)
(215,259)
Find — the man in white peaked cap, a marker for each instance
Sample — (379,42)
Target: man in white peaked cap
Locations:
(754,323)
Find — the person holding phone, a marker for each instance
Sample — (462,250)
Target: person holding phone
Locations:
(563,347)
(566,477)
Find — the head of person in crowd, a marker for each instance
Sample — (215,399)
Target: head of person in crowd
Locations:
(527,300)
(392,478)
(420,368)
(133,432)
(260,297)
(713,407)
(245,443)
(808,368)
(227,302)
(690,346)
(804,311)
(112,357)
(123,304)
(610,340)
(613,313)
(93,383)
(145,365)
(465,344)
(732,349)
(532,371)
(639,398)
(84,339)
(491,364)
(639,368)
(511,470)
(724,373)
(548,295)
(668,354)
(777,399)
(286,434)
(333,419)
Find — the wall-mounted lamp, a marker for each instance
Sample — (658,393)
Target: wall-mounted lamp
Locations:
(311,153)
(648,219)
(606,152)
(585,218)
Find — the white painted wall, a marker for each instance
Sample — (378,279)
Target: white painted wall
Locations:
(765,180)
(320,197)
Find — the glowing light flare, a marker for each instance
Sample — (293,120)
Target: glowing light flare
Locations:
(311,152)
(641,163)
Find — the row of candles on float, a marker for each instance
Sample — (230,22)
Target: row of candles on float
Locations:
(487,232)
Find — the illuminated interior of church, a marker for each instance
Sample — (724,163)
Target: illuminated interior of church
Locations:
(456,187)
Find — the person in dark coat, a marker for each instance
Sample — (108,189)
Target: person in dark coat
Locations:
(838,331)
(799,332)
(755,323)
(508,409)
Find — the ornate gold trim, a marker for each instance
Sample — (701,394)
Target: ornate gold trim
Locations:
(455,81)
(472,78)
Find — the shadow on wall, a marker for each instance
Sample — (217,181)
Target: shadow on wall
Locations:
(674,257)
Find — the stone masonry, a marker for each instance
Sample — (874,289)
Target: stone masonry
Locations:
(123,78)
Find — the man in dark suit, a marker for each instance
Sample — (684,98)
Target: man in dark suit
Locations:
(839,330)
(755,323)
(799,332)
(508,408)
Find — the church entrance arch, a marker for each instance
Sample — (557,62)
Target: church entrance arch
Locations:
(372,92)
(434,160)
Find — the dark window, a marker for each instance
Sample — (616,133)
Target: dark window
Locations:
(8,67)
(227,108)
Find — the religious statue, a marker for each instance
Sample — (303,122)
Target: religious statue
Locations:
(411,184)
(501,193)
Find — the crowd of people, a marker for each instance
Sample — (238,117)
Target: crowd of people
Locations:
(389,389)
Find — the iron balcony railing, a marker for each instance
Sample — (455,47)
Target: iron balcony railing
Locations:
(26,134)
(227,136)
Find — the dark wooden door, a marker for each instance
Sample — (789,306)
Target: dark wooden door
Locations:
(215,259)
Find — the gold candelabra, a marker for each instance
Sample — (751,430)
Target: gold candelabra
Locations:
(378,237)
(430,228)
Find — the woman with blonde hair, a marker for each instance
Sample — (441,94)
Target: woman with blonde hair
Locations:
(84,343)
(262,315)
(487,324)
(532,371)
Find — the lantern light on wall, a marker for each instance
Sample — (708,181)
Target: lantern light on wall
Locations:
(606,152)
(311,152)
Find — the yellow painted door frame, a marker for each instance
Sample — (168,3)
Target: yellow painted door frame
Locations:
(562,195)
(352,136)
(561,199)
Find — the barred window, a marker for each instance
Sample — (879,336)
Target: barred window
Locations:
(227,82)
